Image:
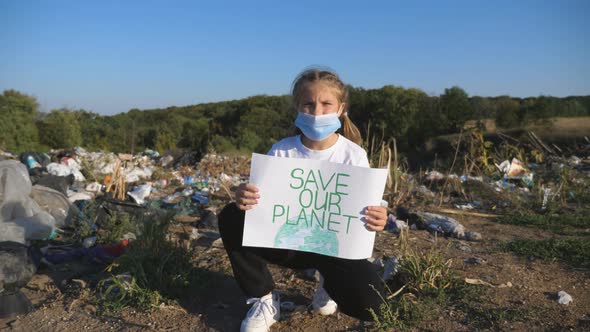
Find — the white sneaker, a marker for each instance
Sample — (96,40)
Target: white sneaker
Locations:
(322,302)
(265,312)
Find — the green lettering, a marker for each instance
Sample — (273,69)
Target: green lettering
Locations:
(333,202)
(313,214)
(310,200)
(311,179)
(298,178)
(325,186)
(274,212)
(301,216)
(323,206)
(348,222)
(340,184)
(330,221)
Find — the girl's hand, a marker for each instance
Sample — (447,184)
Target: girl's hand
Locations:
(376,218)
(247,196)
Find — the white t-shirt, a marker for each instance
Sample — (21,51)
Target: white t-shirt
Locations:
(344,151)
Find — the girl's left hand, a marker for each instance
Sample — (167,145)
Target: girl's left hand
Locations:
(376,218)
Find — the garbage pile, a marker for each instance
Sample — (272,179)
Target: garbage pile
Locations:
(90,205)
(430,197)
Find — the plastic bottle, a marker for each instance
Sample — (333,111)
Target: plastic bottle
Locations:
(32,163)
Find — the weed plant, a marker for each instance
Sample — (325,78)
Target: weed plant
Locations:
(429,283)
(158,269)
(573,251)
(557,221)
(115,226)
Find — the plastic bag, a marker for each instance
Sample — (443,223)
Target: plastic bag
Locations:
(17,207)
(55,203)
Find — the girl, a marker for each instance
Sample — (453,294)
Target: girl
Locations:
(320,98)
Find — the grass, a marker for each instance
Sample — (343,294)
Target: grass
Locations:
(572,251)
(115,226)
(432,289)
(568,223)
(429,282)
(485,316)
(157,270)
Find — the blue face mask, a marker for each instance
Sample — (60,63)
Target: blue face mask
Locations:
(317,127)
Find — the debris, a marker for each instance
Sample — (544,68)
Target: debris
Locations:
(442,223)
(98,254)
(462,246)
(89,242)
(424,191)
(473,236)
(468,206)
(467,213)
(512,168)
(17,267)
(217,243)
(18,208)
(166,161)
(200,199)
(471,281)
(474,260)
(564,298)
(547,197)
(140,193)
(434,176)
(390,267)
(55,203)
(395,225)
(67,167)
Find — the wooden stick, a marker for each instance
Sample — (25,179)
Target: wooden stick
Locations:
(467,213)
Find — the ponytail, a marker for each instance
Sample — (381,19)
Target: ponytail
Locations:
(349,130)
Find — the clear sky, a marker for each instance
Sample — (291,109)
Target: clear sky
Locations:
(111,56)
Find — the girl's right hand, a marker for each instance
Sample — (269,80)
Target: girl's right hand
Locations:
(247,196)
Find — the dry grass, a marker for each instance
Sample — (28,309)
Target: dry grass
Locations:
(563,127)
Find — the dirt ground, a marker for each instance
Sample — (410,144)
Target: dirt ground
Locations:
(64,300)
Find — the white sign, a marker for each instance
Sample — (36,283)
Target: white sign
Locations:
(312,205)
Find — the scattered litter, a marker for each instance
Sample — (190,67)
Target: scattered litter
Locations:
(390,267)
(564,298)
(440,223)
(473,236)
(474,260)
(140,193)
(89,242)
(217,243)
(508,284)
(17,208)
(468,206)
(512,168)
(395,225)
(434,176)
(462,246)
(424,191)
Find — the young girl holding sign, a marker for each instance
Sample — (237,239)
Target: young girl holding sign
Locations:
(320,98)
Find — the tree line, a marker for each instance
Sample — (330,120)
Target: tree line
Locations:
(253,124)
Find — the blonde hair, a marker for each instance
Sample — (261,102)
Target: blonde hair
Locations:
(349,130)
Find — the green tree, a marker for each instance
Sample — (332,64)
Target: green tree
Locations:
(507,112)
(456,108)
(195,135)
(61,129)
(18,112)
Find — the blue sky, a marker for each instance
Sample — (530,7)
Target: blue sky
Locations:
(111,56)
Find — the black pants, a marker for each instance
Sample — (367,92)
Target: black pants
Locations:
(349,282)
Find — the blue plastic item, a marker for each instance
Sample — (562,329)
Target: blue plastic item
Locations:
(200,199)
